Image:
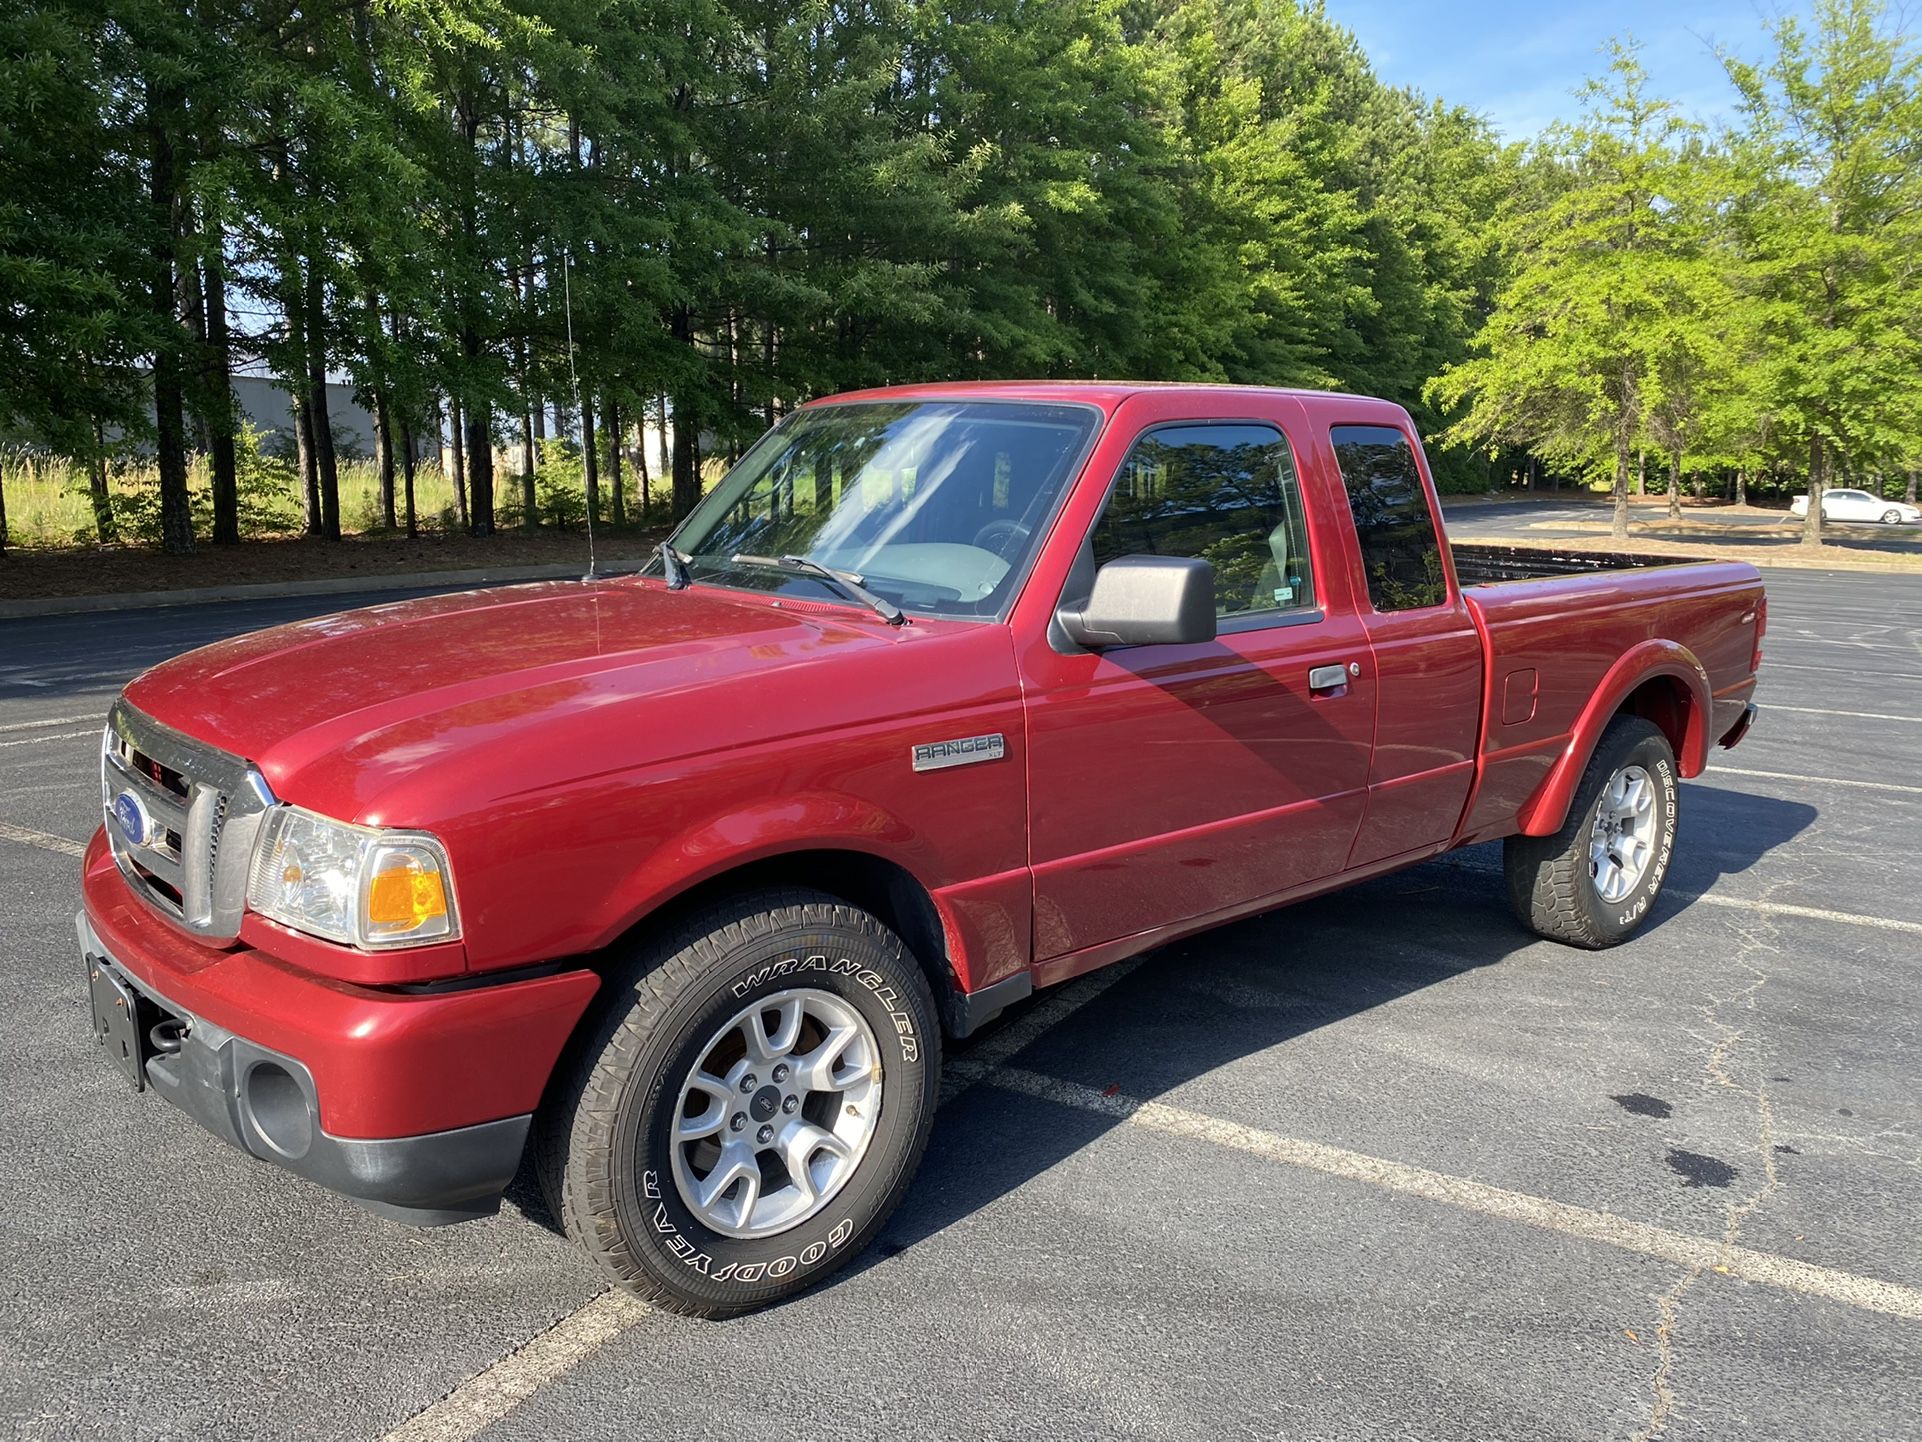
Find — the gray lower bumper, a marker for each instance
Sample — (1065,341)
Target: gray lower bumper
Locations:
(265,1103)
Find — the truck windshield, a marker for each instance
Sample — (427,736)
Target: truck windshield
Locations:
(935,506)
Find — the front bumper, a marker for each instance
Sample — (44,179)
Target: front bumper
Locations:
(415,1102)
(266,1104)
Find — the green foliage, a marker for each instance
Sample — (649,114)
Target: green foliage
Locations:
(560,486)
(1747,301)
(708,211)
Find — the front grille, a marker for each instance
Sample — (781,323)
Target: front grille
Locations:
(194,811)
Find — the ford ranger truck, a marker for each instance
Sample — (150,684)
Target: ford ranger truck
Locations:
(675,883)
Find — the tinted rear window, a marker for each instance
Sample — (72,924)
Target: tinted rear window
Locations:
(1400,552)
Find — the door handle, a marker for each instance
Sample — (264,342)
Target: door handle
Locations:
(1325,680)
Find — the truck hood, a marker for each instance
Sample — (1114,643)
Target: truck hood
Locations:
(393,686)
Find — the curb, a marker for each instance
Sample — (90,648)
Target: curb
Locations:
(266,590)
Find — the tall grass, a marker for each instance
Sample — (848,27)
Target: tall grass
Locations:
(49,503)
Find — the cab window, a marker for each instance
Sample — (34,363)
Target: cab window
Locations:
(1223,493)
(1400,552)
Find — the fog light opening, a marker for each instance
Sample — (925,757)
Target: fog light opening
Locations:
(277,1108)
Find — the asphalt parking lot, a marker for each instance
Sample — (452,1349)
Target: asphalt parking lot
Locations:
(1378,1166)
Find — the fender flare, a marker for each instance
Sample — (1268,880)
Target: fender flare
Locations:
(776,828)
(1649,660)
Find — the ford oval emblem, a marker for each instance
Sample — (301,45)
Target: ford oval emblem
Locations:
(132,817)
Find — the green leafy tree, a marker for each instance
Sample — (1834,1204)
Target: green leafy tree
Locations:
(1577,353)
(1830,223)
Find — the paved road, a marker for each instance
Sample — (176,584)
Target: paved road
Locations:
(1398,1171)
(1567,515)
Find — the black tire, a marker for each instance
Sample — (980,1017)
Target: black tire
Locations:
(1890,518)
(1551,884)
(603,1149)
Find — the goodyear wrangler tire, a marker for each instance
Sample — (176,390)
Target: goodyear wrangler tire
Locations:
(1593,883)
(751,1106)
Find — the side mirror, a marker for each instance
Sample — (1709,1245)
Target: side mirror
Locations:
(1145,601)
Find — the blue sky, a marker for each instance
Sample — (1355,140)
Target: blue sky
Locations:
(1516,62)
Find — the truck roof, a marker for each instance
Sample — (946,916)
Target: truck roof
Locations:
(1105,394)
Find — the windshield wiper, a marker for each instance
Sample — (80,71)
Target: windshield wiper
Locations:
(673,566)
(846,582)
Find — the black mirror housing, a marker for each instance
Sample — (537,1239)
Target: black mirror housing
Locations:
(1145,601)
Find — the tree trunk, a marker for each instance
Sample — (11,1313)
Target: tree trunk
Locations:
(590,459)
(459,477)
(3,506)
(667,460)
(530,513)
(1818,483)
(221,452)
(640,460)
(384,455)
(170,445)
(1909,493)
(1641,473)
(326,466)
(1618,521)
(687,474)
(617,511)
(304,458)
(480,473)
(407,476)
(1741,485)
(1674,486)
(103,523)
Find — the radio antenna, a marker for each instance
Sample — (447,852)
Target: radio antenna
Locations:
(567,302)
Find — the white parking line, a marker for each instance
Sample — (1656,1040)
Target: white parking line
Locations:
(490,1395)
(47,721)
(1782,908)
(1852,715)
(45,840)
(56,736)
(1816,780)
(482,1400)
(1768,665)
(1721,1258)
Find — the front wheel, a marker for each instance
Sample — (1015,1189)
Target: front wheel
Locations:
(1891,518)
(751,1107)
(1593,883)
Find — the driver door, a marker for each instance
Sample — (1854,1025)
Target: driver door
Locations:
(1171,782)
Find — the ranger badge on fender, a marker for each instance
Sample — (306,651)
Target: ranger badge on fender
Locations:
(934,755)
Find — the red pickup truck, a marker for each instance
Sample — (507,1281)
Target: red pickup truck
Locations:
(943,694)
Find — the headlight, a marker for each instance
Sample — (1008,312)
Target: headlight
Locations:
(354,884)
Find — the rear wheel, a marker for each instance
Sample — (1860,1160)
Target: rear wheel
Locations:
(751,1107)
(1593,882)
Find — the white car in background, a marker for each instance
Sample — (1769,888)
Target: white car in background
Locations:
(1842,505)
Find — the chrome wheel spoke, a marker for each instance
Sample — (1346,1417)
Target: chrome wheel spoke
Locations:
(735,1166)
(693,1129)
(771,1046)
(1608,878)
(800,1143)
(818,1070)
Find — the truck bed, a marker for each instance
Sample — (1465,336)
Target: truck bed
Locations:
(1488,565)
(1557,626)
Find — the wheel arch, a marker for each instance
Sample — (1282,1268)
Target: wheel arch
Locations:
(877,884)
(1661,681)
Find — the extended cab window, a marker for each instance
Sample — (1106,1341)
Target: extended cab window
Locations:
(1224,493)
(1400,552)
